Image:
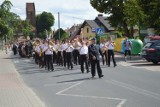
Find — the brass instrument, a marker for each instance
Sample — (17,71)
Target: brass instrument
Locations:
(104,48)
(41,52)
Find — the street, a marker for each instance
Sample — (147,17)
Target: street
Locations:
(131,84)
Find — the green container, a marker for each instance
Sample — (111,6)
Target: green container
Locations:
(137,46)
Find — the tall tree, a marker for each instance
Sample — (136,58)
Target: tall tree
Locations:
(117,9)
(44,22)
(4,11)
(152,11)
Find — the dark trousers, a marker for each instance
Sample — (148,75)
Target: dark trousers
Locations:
(76,56)
(64,58)
(105,57)
(49,60)
(40,61)
(69,59)
(36,58)
(95,63)
(54,57)
(84,60)
(59,58)
(111,54)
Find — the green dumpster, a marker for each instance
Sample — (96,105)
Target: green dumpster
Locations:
(137,46)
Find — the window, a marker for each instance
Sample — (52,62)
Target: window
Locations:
(157,45)
(87,30)
(148,45)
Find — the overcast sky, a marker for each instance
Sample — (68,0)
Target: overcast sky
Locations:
(71,11)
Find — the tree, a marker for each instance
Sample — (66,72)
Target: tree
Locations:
(63,35)
(152,11)
(4,11)
(119,13)
(44,22)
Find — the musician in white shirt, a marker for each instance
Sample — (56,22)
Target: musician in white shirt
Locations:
(69,51)
(59,54)
(76,55)
(64,47)
(110,46)
(83,55)
(48,49)
(103,47)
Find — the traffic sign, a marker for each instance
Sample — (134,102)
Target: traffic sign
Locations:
(99,31)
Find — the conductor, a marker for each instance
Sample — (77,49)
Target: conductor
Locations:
(94,57)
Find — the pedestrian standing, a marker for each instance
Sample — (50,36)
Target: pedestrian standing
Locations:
(127,45)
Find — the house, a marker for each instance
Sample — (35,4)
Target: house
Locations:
(88,27)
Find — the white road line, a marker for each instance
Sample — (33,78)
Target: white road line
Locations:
(16,61)
(122,101)
(69,87)
(136,89)
(58,84)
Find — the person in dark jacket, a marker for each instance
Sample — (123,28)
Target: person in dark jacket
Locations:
(94,56)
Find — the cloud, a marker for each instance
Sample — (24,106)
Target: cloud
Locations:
(71,11)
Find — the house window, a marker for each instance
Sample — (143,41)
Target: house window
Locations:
(87,30)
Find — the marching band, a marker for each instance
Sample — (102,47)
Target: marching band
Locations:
(67,53)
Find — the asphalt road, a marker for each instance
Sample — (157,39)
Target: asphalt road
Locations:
(131,84)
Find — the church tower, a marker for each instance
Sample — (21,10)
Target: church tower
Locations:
(31,13)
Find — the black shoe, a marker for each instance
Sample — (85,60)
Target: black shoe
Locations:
(93,77)
(101,76)
(115,65)
(88,71)
(108,65)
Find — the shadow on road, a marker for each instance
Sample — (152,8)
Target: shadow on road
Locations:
(147,64)
(74,80)
(67,74)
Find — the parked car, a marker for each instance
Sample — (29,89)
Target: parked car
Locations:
(151,38)
(151,51)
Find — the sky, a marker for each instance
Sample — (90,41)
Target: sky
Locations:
(71,11)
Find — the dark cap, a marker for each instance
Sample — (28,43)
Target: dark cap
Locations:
(93,39)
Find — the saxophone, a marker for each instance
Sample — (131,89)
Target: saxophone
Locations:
(41,52)
(104,49)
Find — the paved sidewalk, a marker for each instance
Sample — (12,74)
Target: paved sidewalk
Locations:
(13,91)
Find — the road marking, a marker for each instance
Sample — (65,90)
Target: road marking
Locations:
(16,61)
(136,89)
(122,101)
(58,84)
(138,67)
(69,87)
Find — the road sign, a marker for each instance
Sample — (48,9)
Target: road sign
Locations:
(93,29)
(99,31)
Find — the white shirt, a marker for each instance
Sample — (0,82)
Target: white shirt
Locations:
(77,45)
(110,46)
(102,45)
(64,46)
(48,51)
(69,48)
(37,48)
(83,50)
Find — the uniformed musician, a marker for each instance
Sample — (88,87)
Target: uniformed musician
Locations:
(103,48)
(84,56)
(69,51)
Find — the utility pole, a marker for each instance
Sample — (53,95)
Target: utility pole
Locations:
(59,25)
